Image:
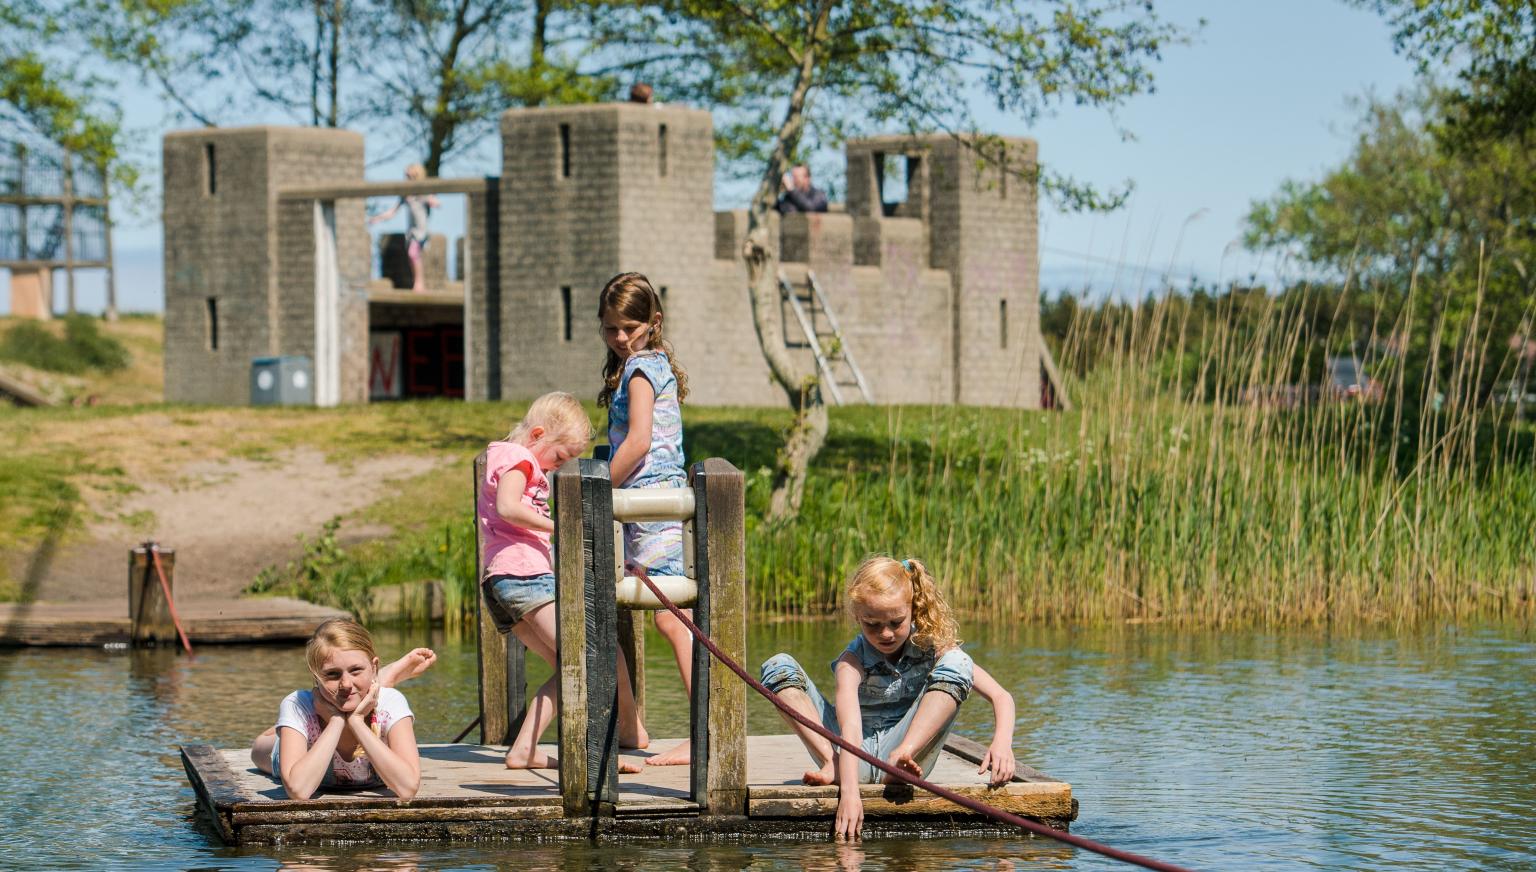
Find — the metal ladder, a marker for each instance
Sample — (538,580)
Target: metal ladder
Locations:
(826,359)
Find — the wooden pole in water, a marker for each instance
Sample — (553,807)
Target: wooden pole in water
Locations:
(149,614)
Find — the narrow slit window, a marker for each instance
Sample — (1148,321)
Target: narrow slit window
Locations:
(1002,174)
(565,151)
(212,314)
(661,149)
(212,167)
(565,311)
(662,293)
(1002,323)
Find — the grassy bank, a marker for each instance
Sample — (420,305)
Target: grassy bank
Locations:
(1142,504)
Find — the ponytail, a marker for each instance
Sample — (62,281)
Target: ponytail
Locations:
(933,624)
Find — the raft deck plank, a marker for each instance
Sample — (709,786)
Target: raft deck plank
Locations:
(208,622)
(467,793)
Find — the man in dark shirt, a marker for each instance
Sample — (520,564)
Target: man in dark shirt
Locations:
(799,195)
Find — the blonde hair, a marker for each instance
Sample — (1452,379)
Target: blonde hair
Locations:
(415,172)
(564,421)
(933,624)
(632,297)
(337,634)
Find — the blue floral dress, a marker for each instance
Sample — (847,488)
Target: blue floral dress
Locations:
(655,545)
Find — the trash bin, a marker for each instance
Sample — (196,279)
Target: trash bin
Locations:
(282,381)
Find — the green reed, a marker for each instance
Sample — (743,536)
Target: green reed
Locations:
(1171,493)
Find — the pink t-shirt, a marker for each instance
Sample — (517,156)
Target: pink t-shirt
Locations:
(509,549)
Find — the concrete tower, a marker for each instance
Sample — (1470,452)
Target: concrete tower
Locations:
(983,230)
(587,192)
(223,300)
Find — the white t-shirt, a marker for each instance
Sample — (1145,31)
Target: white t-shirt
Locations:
(298,713)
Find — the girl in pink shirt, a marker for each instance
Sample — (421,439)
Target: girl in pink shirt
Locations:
(515,527)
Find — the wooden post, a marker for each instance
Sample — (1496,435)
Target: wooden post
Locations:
(571,638)
(602,636)
(719,706)
(587,637)
(502,659)
(149,614)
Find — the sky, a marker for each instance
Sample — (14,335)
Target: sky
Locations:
(1261,95)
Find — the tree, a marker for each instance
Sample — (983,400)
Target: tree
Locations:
(431,75)
(42,94)
(1411,216)
(1491,44)
(833,67)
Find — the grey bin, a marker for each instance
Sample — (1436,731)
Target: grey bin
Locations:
(282,381)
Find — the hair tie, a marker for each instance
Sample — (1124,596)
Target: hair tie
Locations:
(907,564)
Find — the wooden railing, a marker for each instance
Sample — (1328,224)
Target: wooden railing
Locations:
(599,613)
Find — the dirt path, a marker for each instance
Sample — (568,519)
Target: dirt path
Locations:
(227,520)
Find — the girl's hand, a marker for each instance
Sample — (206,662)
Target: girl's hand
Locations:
(325,710)
(1000,760)
(850,815)
(366,704)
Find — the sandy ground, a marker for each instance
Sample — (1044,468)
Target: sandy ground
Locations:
(226,520)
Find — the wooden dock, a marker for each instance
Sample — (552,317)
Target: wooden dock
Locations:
(466,793)
(224,621)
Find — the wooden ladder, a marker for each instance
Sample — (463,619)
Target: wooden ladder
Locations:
(808,303)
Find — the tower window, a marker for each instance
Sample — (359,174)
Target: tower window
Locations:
(565,151)
(212,168)
(212,321)
(1002,323)
(565,311)
(661,149)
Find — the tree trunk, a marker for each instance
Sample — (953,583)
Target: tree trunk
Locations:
(803,390)
(334,116)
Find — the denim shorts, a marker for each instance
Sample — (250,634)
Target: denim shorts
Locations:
(783,671)
(510,598)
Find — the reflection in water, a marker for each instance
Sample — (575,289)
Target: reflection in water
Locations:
(1210,749)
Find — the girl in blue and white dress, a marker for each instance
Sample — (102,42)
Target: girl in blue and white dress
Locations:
(643,388)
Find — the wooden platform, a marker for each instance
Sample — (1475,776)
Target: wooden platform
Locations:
(266,619)
(466,793)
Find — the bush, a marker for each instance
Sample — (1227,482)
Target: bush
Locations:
(82,348)
(97,351)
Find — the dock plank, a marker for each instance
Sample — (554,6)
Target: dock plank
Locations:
(466,792)
(208,622)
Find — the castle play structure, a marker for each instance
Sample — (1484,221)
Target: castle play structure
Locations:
(932,299)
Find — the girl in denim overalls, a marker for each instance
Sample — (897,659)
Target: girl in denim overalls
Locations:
(899,685)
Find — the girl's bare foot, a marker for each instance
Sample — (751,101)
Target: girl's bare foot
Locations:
(636,740)
(629,767)
(414,663)
(517,759)
(825,775)
(677,755)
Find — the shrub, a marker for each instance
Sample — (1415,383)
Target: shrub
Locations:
(83,347)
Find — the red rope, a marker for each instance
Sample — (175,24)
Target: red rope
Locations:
(165,586)
(965,801)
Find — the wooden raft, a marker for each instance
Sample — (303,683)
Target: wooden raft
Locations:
(466,793)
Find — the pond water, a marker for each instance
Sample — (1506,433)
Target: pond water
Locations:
(1231,750)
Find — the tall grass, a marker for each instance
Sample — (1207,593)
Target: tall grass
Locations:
(1168,496)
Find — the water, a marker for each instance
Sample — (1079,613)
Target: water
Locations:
(1282,750)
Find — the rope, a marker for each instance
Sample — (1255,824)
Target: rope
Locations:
(165,586)
(964,801)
